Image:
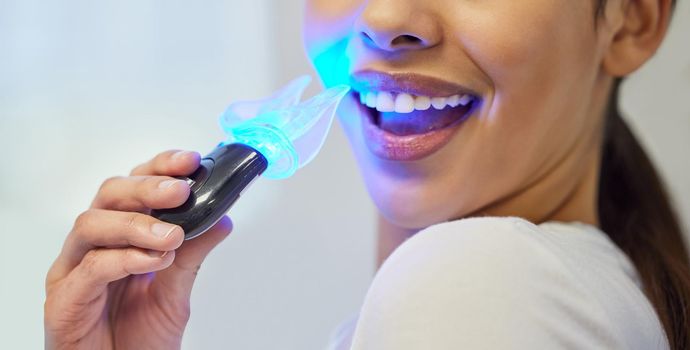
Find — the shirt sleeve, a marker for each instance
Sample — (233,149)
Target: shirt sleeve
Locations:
(482,283)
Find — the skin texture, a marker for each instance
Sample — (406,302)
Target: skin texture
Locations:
(543,70)
(117,284)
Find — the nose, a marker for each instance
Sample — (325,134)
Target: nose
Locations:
(396,25)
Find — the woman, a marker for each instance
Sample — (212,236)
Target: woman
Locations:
(488,134)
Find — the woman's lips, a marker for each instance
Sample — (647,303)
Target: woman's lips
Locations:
(409,147)
(415,84)
(417,130)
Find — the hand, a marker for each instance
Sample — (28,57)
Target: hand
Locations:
(123,278)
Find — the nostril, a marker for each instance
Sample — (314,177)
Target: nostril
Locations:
(402,41)
(367,37)
(406,39)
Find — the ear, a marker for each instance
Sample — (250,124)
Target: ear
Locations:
(637,35)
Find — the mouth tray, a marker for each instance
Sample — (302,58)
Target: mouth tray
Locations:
(287,132)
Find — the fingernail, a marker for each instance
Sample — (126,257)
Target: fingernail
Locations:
(180,154)
(162,230)
(167,183)
(156,253)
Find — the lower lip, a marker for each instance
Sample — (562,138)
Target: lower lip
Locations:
(390,146)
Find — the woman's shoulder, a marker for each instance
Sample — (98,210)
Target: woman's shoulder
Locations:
(506,283)
(494,246)
(512,239)
(498,233)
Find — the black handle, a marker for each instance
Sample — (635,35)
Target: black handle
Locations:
(215,186)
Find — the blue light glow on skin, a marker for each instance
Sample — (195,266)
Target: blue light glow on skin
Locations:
(332,64)
(287,133)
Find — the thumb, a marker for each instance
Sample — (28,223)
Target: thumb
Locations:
(178,279)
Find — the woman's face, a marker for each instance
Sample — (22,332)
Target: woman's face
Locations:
(513,87)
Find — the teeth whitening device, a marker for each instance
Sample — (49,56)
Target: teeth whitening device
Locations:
(273,137)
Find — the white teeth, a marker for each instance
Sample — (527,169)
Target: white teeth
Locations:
(404,103)
(371,100)
(385,102)
(465,99)
(422,103)
(407,103)
(439,102)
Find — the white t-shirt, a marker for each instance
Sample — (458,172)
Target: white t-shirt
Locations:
(505,283)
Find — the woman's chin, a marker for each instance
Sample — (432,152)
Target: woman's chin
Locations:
(405,195)
(409,194)
(409,208)
(410,217)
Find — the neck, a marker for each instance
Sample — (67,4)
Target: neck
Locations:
(575,201)
(390,236)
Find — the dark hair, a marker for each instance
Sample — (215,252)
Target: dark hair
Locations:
(637,213)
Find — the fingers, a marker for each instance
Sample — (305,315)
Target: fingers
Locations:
(179,277)
(140,193)
(171,163)
(102,266)
(113,229)
(149,186)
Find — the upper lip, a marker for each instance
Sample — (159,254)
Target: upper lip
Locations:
(411,83)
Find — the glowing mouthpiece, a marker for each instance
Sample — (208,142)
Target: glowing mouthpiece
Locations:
(288,133)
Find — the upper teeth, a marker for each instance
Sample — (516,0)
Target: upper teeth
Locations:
(405,103)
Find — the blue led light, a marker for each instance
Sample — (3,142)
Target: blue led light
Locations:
(272,143)
(287,133)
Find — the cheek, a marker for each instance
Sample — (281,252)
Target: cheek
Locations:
(540,57)
(511,40)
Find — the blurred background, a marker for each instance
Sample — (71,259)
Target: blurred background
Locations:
(89,89)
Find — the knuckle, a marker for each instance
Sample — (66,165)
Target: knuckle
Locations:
(126,255)
(50,281)
(134,221)
(126,258)
(89,262)
(83,222)
(109,183)
(139,168)
(104,196)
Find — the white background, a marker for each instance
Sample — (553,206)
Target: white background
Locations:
(88,89)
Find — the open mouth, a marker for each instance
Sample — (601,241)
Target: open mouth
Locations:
(404,114)
(408,116)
